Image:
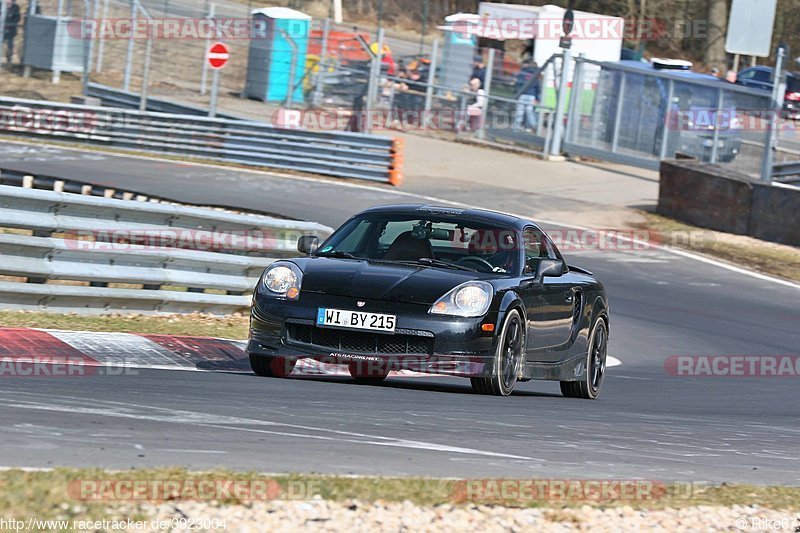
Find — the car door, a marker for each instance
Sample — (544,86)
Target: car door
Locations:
(548,301)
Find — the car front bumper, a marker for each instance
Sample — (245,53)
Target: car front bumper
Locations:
(438,344)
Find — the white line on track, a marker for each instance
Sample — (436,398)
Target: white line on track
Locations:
(229,423)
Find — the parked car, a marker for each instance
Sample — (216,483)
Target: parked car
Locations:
(464,292)
(688,109)
(761,78)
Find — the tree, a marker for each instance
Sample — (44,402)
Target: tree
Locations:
(715,41)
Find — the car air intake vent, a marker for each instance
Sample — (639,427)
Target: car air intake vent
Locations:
(360,342)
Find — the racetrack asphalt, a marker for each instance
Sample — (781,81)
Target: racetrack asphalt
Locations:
(647,424)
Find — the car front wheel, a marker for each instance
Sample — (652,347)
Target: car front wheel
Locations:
(508,358)
(589,387)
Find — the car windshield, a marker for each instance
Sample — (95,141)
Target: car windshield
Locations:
(429,240)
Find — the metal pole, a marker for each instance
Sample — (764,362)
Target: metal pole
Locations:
(561,104)
(102,44)
(380,17)
(212,108)
(618,113)
(95,9)
(431,79)
(717,121)
(736,62)
(292,69)
(487,88)
(87,49)
(3,8)
(126,80)
(573,112)
(662,154)
(204,74)
(778,85)
(319,89)
(425,5)
(372,88)
(145,75)
(59,15)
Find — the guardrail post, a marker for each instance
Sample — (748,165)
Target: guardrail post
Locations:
(561,103)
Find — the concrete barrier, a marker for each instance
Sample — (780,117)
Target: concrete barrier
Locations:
(713,197)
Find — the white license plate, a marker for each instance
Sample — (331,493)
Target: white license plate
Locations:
(355,320)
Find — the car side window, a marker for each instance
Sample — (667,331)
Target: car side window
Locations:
(762,75)
(537,247)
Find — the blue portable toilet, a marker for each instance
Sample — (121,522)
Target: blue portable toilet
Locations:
(269,62)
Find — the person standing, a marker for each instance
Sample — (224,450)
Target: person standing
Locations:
(527,89)
(478,70)
(10,29)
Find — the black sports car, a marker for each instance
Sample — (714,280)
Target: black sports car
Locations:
(433,289)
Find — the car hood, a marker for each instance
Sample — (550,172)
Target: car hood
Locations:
(391,282)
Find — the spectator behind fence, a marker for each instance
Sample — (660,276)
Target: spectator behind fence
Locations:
(10,29)
(527,90)
(478,70)
(476,111)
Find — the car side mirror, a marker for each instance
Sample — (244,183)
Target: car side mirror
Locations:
(549,268)
(308,244)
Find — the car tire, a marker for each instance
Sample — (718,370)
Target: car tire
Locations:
(508,358)
(371,376)
(596,355)
(271,367)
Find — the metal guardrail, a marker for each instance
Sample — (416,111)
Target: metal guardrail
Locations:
(135,256)
(332,153)
(785,169)
(120,98)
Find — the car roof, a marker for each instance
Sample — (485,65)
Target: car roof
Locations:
(671,72)
(477,214)
(762,68)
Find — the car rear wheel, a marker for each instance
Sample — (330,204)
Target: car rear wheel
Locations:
(368,374)
(589,387)
(508,358)
(271,367)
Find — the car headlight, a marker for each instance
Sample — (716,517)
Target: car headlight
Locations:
(469,299)
(283,279)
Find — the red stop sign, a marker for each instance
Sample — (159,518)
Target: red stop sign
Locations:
(217,55)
